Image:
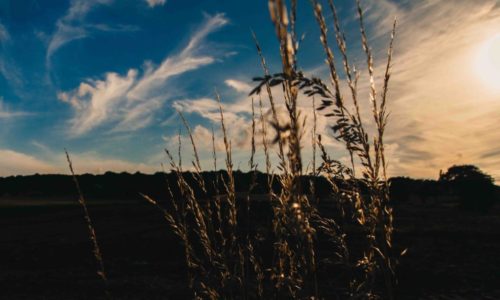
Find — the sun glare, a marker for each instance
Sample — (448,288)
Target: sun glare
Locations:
(488,63)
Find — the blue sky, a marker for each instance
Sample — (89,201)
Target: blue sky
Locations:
(104,79)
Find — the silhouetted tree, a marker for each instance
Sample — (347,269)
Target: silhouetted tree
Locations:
(465,172)
(475,189)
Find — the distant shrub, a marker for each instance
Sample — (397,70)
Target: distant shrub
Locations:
(474,188)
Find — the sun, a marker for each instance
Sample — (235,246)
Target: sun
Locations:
(487,64)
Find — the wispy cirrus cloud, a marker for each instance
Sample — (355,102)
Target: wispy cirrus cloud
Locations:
(153,3)
(4,34)
(73,26)
(8,68)
(6,113)
(129,102)
(190,58)
(436,95)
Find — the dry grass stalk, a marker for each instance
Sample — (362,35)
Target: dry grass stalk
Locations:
(276,123)
(219,253)
(330,59)
(250,251)
(179,155)
(92,235)
(293,269)
(372,213)
(265,143)
(314,137)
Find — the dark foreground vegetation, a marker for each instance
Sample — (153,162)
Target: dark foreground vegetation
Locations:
(45,252)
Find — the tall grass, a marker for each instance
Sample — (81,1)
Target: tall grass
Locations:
(226,257)
(96,250)
(227,254)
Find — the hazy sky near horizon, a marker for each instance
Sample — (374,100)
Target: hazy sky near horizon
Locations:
(104,79)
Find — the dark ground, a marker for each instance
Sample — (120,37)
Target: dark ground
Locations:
(45,252)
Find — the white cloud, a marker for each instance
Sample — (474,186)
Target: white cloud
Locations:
(209,108)
(96,101)
(139,116)
(238,120)
(130,102)
(153,3)
(16,163)
(238,85)
(203,140)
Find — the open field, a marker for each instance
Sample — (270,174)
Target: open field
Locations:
(45,252)
(274,143)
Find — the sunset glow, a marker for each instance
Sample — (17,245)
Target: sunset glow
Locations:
(488,63)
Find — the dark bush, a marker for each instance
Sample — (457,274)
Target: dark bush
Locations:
(475,189)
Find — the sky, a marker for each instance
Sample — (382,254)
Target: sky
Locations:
(106,79)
